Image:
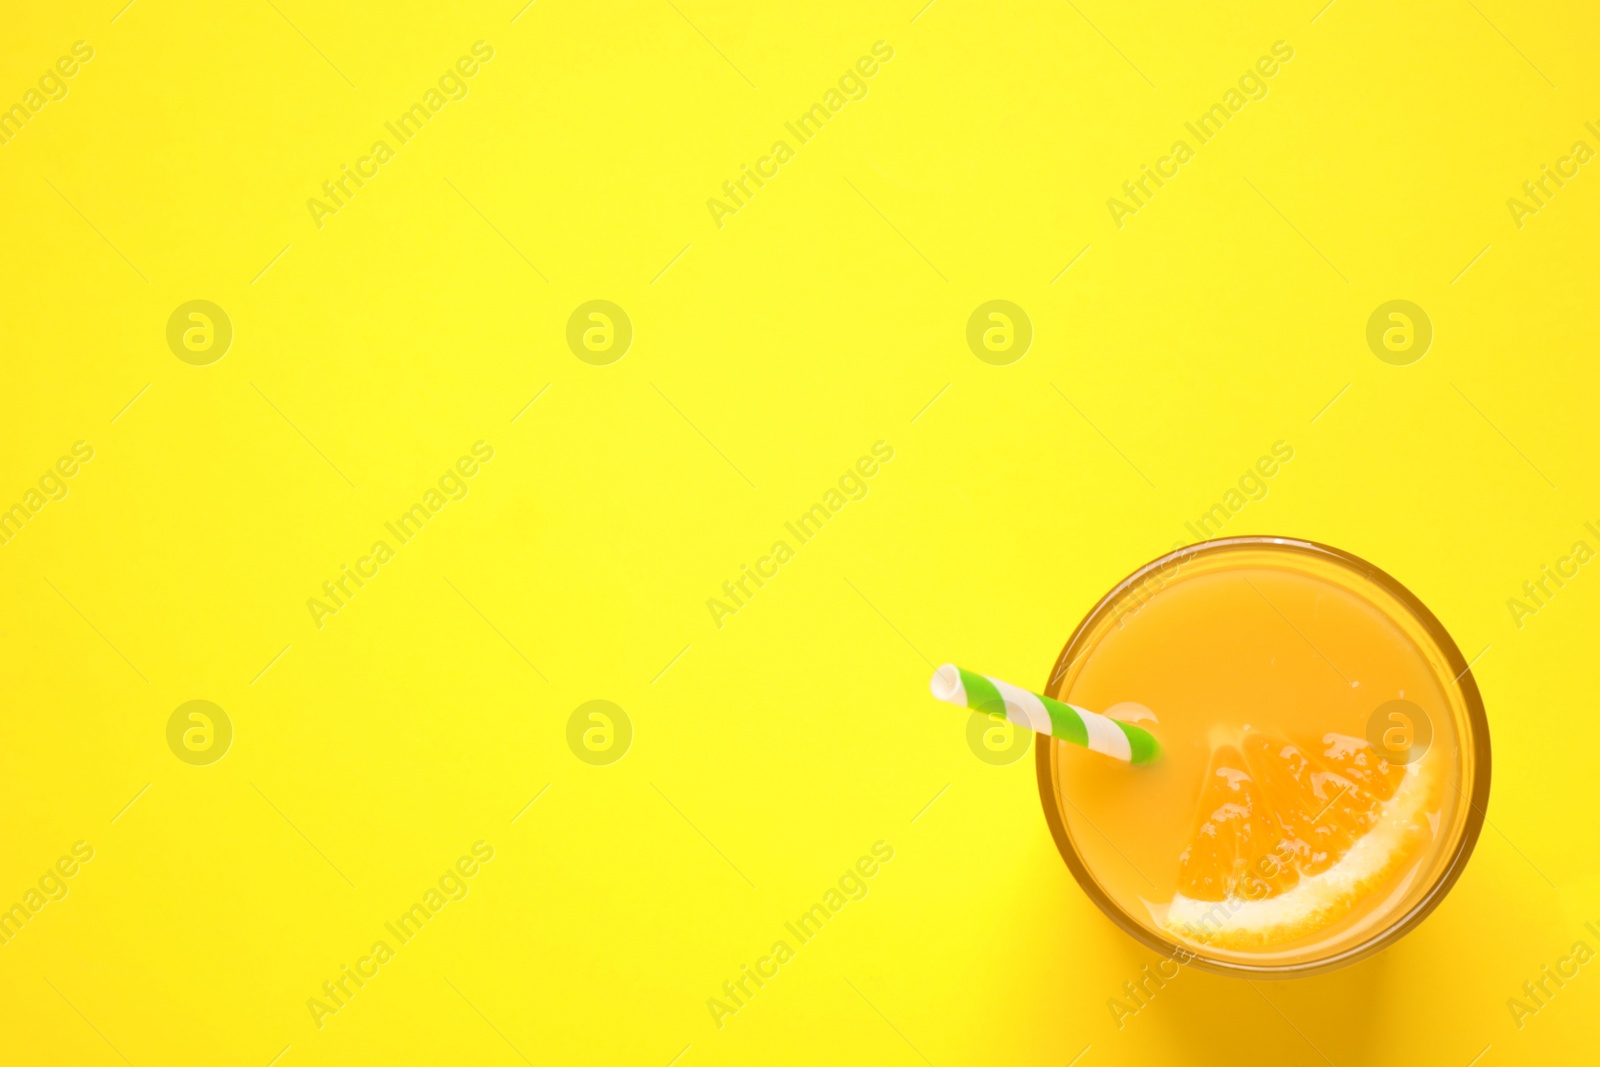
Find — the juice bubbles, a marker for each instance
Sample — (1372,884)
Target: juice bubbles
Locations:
(1325,757)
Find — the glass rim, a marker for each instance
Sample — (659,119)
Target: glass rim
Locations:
(1478,739)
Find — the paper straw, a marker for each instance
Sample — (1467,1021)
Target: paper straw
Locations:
(1043,715)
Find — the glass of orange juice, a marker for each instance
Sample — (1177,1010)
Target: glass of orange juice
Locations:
(1325,764)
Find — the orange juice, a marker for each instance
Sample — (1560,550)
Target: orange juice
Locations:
(1325,758)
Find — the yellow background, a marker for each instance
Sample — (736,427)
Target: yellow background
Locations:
(823,317)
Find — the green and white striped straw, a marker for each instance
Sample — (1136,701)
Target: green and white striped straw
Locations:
(1043,715)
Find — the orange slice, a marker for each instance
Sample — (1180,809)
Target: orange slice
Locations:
(1290,837)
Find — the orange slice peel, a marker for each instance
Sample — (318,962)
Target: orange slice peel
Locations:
(1290,836)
